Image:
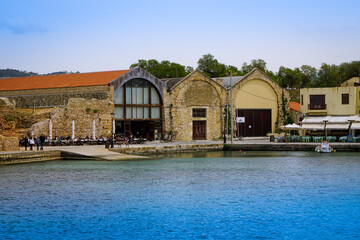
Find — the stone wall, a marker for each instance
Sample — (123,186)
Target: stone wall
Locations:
(194,91)
(83,112)
(44,98)
(9,143)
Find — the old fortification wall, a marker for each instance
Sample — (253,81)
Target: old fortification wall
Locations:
(52,97)
(83,113)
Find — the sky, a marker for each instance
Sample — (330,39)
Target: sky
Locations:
(46,36)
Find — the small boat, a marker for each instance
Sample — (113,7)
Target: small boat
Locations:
(324,148)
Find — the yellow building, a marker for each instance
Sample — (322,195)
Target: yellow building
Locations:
(343,100)
(259,104)
(335,106)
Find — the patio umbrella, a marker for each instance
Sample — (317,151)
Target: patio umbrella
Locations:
(292,126)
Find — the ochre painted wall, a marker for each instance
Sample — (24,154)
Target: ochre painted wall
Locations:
(257,94)
(333,100)
(257,91)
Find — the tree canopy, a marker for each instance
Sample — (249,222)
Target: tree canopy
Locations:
(163,69)
(211,67)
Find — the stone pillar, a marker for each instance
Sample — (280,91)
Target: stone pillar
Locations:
(50,129)
(94,131)
(73,130)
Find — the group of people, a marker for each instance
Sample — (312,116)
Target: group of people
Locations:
(31,142)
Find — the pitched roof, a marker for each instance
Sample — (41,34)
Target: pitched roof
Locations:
(295,106)
(226,80)
(60,81)
(171,81)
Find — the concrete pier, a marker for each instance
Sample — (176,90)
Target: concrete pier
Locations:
(144,151)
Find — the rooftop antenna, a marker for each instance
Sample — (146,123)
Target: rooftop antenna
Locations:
(339,78)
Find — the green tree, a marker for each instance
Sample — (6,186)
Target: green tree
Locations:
(164,69)
(211,67)
(289,78)
(308,76)
(255,63)
(328,76)
(349,70)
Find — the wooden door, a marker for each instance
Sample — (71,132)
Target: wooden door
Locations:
(257,122)
(199,130)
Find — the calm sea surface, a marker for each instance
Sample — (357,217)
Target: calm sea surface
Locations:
(216,195)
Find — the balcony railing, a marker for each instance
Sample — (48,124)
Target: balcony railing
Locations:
(317,106)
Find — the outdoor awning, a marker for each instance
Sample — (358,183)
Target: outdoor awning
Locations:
(332,122)
(343,126)
(328,119)
(355,125)
(312,127)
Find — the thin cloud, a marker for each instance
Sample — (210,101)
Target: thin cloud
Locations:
(22,26)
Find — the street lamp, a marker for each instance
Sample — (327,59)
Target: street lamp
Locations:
(350,123)
(325,121)
(224,127)
(112,130)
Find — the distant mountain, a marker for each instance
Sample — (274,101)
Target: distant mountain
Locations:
(10,73)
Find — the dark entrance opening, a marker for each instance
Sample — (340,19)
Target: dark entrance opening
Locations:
(199,130)
(257,122)
(144,129)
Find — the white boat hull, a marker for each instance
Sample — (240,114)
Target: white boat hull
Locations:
(324,148)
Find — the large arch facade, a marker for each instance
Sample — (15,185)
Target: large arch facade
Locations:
(194,108)
(138,101)
(257,104)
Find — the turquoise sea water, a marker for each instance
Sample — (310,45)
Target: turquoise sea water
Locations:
(254,195)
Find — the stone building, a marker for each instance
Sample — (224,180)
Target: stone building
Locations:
(84,104)
(193,107)
(133,102)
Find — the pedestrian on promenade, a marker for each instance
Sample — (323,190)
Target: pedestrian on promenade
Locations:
(42,141)
(38,142)
(31,143)
(25,142)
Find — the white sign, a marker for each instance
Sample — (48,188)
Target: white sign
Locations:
(240,119)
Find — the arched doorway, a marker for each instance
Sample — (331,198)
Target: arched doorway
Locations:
(138,109)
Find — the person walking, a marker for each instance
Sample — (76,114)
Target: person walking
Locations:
(31,143)
(38,142)
(42,141)
(25,142)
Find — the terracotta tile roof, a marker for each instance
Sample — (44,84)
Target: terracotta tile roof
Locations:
(295,106)
(60,81)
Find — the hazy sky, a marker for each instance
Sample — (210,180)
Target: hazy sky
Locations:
(99,35)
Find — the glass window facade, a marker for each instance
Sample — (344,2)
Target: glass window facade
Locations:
(137,99)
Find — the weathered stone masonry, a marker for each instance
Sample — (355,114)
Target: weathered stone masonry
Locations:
(54,97)
(194,91)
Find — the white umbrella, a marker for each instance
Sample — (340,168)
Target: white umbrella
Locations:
(291,127)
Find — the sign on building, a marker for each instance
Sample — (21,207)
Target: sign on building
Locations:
(240,119)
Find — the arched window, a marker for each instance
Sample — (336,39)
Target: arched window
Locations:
(137,99)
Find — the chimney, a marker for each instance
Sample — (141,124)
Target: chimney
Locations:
(339,78)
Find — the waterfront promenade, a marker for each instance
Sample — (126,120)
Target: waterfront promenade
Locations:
(144,151)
